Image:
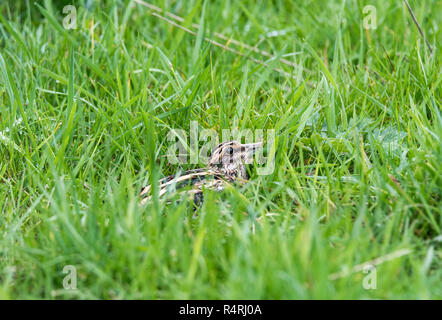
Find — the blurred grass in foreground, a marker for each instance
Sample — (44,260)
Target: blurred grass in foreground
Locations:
(84,116)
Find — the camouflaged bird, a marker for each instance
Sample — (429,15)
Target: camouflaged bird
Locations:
(226,165)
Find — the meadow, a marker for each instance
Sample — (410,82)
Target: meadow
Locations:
(352,209)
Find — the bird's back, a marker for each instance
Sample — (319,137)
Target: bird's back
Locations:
(191,181)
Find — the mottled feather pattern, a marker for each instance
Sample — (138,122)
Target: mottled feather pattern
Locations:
(226,165)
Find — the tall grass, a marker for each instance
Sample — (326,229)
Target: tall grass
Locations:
(84,118)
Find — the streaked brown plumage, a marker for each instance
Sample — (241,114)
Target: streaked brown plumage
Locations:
(226,164)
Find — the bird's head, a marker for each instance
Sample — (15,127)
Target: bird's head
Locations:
(230,158)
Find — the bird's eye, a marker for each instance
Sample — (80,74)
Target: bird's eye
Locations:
(230,150)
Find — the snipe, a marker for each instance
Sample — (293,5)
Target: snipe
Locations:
(227,163)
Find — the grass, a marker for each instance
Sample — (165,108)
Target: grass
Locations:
(84,118)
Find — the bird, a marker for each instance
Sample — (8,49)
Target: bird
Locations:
(227,164)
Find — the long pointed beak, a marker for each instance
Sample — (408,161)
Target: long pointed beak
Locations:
(252,147)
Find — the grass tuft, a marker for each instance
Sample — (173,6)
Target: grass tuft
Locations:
(84,119)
